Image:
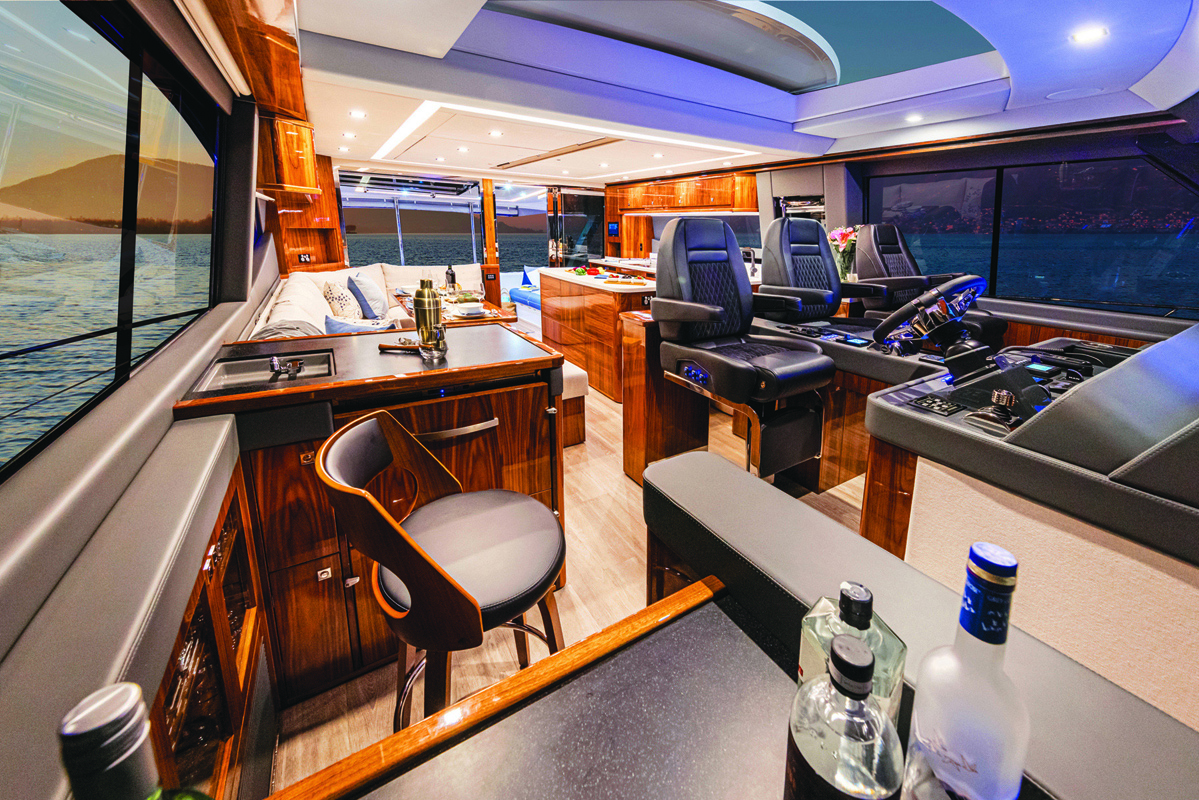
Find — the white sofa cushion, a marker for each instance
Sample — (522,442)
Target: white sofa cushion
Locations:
(299,300)
(342,301)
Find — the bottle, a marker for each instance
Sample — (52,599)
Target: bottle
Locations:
(842,744)
(969,732)
(853,614)
(106,748)
(451,279)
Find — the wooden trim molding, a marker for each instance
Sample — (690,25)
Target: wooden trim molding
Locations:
(387,758)
(887,505)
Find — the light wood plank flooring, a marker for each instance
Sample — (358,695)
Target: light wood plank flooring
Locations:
(605,557)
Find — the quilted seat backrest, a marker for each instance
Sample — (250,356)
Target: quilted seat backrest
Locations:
(699,261)
(796,253)
(882,252)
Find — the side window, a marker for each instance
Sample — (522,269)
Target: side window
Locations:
(91,120)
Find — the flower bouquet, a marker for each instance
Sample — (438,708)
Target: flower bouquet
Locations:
(844,242)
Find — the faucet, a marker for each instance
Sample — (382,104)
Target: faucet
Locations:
(292,367)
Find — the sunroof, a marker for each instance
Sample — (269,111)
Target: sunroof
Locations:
(873,37)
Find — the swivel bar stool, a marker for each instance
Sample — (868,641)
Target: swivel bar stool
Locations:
(454,565)
(705,307)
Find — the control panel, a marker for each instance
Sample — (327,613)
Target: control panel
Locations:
(695,373)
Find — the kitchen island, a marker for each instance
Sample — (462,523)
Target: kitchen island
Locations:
(580,316)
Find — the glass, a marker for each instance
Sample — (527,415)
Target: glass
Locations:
(747,228)
(173,259)
(439,238)
(522,241)
(39,389)
(63,103)
(1116,234)
(582,229)
(148,337)
(371,235)
(947,218)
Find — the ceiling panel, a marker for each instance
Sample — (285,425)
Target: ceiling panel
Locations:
(417,26)
(478,155)
(471,128)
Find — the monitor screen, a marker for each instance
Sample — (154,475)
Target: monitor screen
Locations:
(614,229)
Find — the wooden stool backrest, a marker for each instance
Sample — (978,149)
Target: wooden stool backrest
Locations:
(443,616)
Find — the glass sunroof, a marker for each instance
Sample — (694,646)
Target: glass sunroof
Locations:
(876,37)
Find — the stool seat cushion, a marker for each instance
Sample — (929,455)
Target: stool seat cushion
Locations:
(504,548)
(574,381)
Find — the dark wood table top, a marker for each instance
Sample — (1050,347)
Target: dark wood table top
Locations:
(476,353)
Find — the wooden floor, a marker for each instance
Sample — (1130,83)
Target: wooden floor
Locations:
(605,557)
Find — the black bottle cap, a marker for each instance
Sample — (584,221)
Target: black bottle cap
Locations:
(105,742)
(857,605)
(851,666)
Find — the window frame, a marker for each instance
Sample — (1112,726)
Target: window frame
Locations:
(136,41)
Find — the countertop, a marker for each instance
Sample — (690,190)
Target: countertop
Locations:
(479,352)
(594,282)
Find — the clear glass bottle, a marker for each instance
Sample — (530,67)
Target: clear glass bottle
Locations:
(969,732)
(853,614)
(106,748)
(842,744)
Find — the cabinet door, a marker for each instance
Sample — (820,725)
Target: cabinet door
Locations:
(287,156)
(311,626)
(376,641)
(526,437)
(297,520)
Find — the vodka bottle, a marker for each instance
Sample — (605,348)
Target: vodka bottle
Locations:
(842,744)
(969,732)
(853,614)
(106,748)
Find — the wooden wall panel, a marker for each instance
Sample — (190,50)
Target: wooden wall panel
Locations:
(1021,333)
(887,505)
(726,192)
(846,442)
(311,224)
(265,50)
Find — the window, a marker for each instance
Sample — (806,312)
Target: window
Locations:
(1115,234)
(106,205)
(946,217)
(521,227)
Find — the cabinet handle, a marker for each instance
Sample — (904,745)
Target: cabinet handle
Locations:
(352,581)
(308,458)
(324,574)
(551,410)
(454,433)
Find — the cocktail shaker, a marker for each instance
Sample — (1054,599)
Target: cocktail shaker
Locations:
(426,307)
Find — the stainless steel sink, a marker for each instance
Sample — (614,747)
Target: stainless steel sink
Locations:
(266,371)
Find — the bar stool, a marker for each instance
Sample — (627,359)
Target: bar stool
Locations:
(461,563)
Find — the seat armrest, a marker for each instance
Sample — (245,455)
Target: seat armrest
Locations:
(664,310)
(892,285)
(767,302)
(813,297)
(945,277)
(862,290)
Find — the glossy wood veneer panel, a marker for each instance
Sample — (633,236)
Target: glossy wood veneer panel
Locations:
(1020,333)
(297,520)
(311,625)
(845,443)
(374,764)
(265,50)
(887,505)
(574,421)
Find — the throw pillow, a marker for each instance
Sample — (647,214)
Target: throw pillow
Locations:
(341,301)
(369,296)
(334,325)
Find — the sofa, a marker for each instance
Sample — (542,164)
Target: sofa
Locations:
(298,306)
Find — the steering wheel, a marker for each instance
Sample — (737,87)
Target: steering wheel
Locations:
(930,315)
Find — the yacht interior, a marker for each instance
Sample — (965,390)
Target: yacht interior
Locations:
(470,398)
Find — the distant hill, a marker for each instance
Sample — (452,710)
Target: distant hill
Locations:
(91,191)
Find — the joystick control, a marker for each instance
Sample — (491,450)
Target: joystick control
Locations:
(998,417)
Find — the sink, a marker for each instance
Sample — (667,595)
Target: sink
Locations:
(258,371)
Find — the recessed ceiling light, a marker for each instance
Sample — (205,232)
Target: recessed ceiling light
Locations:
(463,149)
(913,118)
(657,155)
(496,133)
(440,158)
(624,177)
(349,136)
(363,169)
(361,189)
(728,163)
(344,149)
(358,114)
(603,165)
(1089,34)
(670,172)
(565,172)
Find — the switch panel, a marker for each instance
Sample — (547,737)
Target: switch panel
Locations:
(695,373)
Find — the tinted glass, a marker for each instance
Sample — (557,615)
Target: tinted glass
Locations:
(522,241)
(581,237)
(1115,234)
(438,238)
(946,217)
(371,236)
(174,206)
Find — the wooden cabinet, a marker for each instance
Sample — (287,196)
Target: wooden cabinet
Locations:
(327,623)
(199,714)
(286,156)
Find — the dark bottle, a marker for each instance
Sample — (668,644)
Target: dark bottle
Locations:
(106,748)
(451,280)
(842,745)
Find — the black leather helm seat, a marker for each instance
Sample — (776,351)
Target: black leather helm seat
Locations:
(704,307)
(882,258)
(798,262)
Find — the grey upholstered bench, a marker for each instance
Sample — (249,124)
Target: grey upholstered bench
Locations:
(776,556)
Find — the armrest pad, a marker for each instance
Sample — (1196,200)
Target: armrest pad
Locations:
(764,303)
(664,310)
(806,296)
(862,290)
(892,285)
(945,277)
